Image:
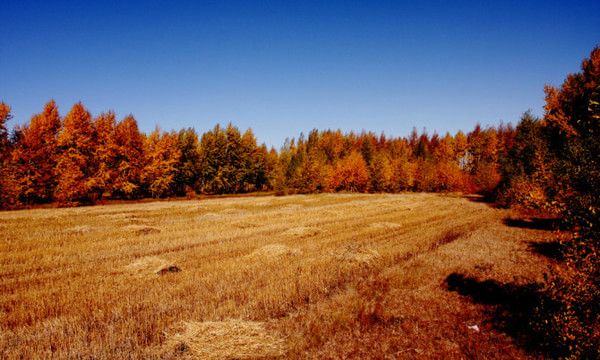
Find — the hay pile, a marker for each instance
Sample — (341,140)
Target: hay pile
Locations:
(151,266)
(232,339)
(274,251)
(208,216)
(142,229)
(232,211)
(119,216)
(302,231)
(79,229)
(126,218)
(353,254)
(385,225)
(292,207)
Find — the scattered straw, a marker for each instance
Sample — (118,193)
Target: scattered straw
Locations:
(232,339)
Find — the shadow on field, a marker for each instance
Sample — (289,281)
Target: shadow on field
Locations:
(551,249)
(511,308)
(534,223)
(486,199)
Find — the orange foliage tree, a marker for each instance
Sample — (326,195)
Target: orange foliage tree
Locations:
(75,167)
(35,154)
(351,174)
(130,159)
(105,154)
(162,157)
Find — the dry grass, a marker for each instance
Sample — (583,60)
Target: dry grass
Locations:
(307,276)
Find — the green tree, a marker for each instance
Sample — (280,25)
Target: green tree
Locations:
(213,158)
(189,170)
(525,175)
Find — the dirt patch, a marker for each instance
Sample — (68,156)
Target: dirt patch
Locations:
(302,231)
(150,266)
(274,251)
(232,339)
(385,225)
(142,229)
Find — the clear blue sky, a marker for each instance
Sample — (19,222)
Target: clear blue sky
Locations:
(283,67)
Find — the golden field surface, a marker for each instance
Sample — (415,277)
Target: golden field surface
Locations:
(304,276)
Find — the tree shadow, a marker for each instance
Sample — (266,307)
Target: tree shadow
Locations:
(550,249)
(511,308)
(482,198)
(534,223)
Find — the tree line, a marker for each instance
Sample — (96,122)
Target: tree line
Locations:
(79,159)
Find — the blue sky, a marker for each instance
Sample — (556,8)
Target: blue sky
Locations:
(282,67)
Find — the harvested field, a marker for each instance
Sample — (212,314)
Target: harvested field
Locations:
(306,276)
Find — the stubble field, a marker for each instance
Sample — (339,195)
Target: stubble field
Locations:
(315,276)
